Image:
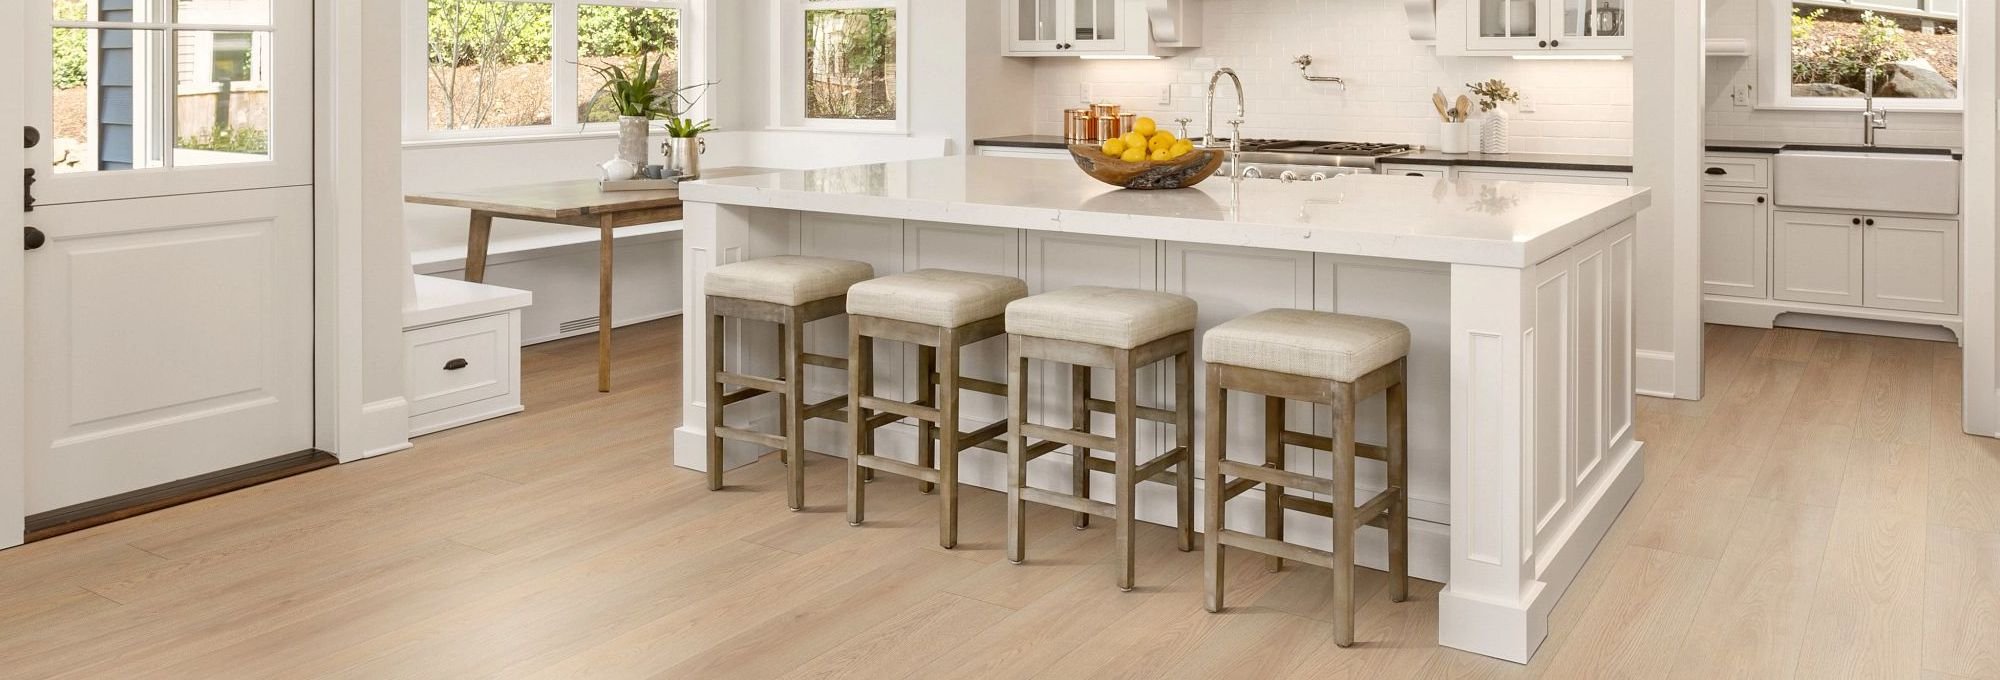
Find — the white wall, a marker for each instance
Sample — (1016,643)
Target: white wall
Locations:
(1582,106)
(1726,121)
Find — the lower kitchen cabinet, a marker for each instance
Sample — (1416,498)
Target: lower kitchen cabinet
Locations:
(1816,257)
(1735,244)
(1912,264)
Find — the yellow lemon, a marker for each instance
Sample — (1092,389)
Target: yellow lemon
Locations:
(1181,148)
(1134,139)
(1145,127)
(1114,147)
(1163,154)
(1160,140)
(1134,155)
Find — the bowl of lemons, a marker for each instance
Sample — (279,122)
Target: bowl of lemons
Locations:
(1147,158)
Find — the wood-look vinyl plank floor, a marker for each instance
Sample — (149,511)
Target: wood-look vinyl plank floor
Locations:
(1818,516)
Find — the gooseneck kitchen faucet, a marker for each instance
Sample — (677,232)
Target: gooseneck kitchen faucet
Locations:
(1872,118)
(1235,124)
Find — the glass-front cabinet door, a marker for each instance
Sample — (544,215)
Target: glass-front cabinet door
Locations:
(1033,25)
(1508,25)
(1594,24)
(1094,26)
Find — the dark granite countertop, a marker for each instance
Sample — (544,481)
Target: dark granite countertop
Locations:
(1532,161)
(1025,142)
(1736,146)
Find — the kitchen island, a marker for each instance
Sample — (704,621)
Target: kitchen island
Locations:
(1518,297)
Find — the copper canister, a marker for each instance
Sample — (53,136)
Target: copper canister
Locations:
(1107,128)
(1102,110)
(1078,126)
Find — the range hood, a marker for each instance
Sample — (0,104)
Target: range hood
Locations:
(1175,23)
(1423,19)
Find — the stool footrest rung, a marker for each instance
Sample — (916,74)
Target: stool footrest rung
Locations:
(823,361)
(897,467)
(737,434)
(750,381)
(1162,465)
(1040,449)
(1323,443)
(1236,487)
(1267,546)
(1068,502)
(1378,506)
(1306,504)
(831,409)
(1158,415)
(742,395)
(989,434)
(1284,478)
(1071,437)
(982,386)
(900,408)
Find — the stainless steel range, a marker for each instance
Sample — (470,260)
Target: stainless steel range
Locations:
(1312,161)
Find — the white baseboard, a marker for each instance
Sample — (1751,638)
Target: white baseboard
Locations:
(1653,374)
(385,428)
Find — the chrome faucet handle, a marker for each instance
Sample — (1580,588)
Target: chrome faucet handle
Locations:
(1183,121)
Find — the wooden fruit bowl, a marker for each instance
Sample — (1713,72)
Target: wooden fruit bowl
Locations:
(1188,170)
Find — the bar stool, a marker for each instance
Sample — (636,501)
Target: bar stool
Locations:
(790,291)
(1324,358)
(941,312)
(1122,330)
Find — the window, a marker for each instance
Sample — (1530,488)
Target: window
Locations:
(487,67)
(1822,52)
(841,64)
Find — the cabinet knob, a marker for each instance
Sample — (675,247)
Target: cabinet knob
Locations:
(1857,221)
(1717,171)
(1871,221)
(1545,44)
(1555,43)
(1761,199)
(455,364)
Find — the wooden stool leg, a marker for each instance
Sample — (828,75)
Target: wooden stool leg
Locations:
(715,419)
(1017,451)
(947,398)
(1343,514)
(1126,432)
(1213,453)
(784,364)
(1184,439)
(1079,421)
(1274,457)
(927,388)
(1399,469)
(793,409)
(861,440)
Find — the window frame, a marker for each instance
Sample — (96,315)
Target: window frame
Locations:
(788,52)
(1774,72)
(564,122)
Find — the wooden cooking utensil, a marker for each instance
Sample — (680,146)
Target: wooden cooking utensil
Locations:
(1464,107)
(1437,99)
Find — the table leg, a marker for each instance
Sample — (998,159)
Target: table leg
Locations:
(604,304)
(475,246)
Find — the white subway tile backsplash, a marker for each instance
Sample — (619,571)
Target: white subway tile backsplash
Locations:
(1581,106)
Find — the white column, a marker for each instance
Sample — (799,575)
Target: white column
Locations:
(1485,607)
(712,235)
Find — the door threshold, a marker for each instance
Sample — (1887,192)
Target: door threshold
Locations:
(53,523)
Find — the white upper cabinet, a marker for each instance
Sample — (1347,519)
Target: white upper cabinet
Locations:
(1534,27)
(1075,28)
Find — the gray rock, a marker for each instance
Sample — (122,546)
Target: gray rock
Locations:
(1915,79)
(1823,90)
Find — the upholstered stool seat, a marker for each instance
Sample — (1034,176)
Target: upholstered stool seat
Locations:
(1124,331)
(788,280)
(1337,347)
(941,312)
(789,291)
(1120,318)
(1333,361)
(935,297)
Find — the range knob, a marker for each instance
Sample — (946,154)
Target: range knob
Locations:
(1253,172)
(1319,177)
(1289,176)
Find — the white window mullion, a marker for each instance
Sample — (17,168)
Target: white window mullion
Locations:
(562,66)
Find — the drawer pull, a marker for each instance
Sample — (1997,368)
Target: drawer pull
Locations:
(455,364)
(1717,171)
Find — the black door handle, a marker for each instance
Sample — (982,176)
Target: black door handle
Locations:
(34,136)
(34,238)
(27,189)
(1717,171)
(455,364)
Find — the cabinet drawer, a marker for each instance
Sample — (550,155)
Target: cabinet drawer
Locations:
(1612,179)
(460,362)
(1740,172)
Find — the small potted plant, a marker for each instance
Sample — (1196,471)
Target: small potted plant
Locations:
(684,144)
(1491,94)
(636,95)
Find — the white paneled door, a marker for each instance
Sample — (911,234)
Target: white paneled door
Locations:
(169,312)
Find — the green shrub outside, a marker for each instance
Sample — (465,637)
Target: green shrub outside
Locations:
(463,31)
(1877,42)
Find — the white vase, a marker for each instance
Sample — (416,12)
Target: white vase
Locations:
(632,135)
(1493,132)
(1452,137)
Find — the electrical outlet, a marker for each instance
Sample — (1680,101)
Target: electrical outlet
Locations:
(1166,94)
(1739,95)
(1526,104)
(1083,94)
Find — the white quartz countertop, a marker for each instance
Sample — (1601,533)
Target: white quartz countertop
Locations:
(1506,224)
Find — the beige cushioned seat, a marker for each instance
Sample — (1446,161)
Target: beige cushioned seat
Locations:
(1337,347)
(789,280)
(935,297)
(1110,317)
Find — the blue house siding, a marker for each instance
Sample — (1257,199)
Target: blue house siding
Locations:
(115,72)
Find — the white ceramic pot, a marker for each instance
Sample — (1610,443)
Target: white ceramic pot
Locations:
(632,134)
(1494,132)
(1454,138)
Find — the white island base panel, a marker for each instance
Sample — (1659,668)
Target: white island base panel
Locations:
(1521,440)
